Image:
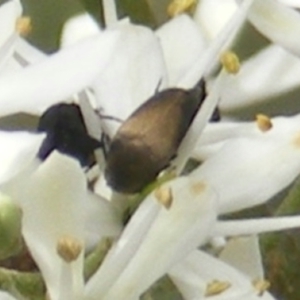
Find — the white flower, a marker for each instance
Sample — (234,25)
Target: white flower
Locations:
(243,166)
(251,157)
(56,205)
(271,71)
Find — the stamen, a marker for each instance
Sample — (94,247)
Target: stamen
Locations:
(230,62)
(179,6)
(206,61)
(261,286)
(263,122)
(68,248)
(164,196)
(24,26)
(190,140)
(216,287)
(110,12)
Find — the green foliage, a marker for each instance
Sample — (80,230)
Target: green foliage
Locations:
(163,289)
(281,251)
(49,16)
(10,228)
(47,19)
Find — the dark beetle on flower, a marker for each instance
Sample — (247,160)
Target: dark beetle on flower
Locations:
(149,139)
(143,146)
(66,133)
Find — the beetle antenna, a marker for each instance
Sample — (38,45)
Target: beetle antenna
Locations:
(158,86)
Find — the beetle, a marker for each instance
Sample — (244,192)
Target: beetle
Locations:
(149,139)
(67,133)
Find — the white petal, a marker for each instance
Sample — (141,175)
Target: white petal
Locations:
(102,220)
(133,76)
(182,44)
(52,200)
(212,15)
(6,296)
(243,253)
(261,225)
(215,135)
(222,131)
(277,22)
(258,78)
(101,188)
(110,12)
(78,28)
(199,269)
(9,12)
(203,115)
(18,150)
(209,58)
(248,171)
(28,53)
(20,55)
(292,3)
(173,234)
(6,51)
(121,254)
(70,280)
(37,87)
(91,118)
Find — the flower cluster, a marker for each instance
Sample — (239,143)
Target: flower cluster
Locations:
(178,229)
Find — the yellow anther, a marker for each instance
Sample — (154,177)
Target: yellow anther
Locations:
(198,187)
(216,287)
(261,286)
(164,196)
(230,62)
(23,26)
(68,248)
(264,123)
(177,7)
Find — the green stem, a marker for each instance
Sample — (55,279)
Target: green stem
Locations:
(291,203)
(135,201)
(95,259)
(29,285)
